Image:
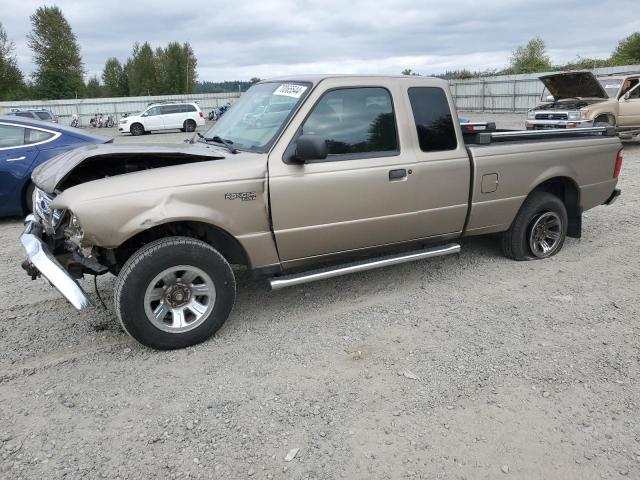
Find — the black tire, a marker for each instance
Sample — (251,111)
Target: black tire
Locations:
(538,207)
(137,129)
(28,197)
(144,266)
(189,126)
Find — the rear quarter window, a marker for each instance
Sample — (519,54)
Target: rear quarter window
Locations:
(432,116)
(189,108)
(36,136)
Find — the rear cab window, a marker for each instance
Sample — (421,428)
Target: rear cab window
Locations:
(355,122)
(433,119)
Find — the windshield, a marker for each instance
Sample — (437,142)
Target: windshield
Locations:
(611,86)
(255,119)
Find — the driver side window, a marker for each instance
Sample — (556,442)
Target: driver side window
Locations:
(634,94)
(153,111)
(355,121)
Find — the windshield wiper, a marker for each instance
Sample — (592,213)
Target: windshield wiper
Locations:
(217,139)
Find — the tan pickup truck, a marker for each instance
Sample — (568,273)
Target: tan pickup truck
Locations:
(579,99)
(304,179)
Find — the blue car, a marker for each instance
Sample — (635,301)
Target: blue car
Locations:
(25,144)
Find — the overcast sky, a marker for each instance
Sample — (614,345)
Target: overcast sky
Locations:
(264,38)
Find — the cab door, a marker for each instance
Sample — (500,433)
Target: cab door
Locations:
(360,195)
(629,110)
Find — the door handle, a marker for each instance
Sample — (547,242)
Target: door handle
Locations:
(398,174)
(16,159)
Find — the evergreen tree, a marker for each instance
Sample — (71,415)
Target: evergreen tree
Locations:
(11,80)
(59,70)
(178,68)
(142,77)
(114,79)
(93,88)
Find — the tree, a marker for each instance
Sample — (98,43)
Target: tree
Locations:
(178,65)
(142,75)
(11,80)
(254,80)
(628,50)
(93,88)
(114,79)
(408,71)
(59,70)
(530,58)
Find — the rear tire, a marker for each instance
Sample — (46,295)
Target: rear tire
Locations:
(136,129)
(539,229)
(174,292)
(189,126)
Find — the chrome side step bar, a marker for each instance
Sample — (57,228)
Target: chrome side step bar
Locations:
(277,283)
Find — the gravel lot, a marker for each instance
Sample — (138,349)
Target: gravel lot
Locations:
(468,367)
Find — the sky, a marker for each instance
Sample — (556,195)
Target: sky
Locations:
(237,40)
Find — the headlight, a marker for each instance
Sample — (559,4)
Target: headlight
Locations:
(574,115)
(124,120)
(531,115)
(42,208)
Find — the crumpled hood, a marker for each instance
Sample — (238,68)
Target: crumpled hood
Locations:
(574,85)
(49,174)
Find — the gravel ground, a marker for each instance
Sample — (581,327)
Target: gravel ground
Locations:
(469,367)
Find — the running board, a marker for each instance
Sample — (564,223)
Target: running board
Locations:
(277,283)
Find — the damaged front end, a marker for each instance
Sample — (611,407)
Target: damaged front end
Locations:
(53,241)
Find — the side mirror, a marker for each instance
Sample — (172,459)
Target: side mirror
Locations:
(550,98)
(627,95)
(310,147)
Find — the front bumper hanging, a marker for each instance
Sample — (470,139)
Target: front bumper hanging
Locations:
(41,259)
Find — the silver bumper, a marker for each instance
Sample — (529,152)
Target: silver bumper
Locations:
(41,258)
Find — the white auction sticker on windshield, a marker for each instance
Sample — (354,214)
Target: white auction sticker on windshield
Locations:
(608,85)
(290,90)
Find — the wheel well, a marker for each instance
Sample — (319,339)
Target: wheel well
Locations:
(566,190)
(605,117)
(222,241)
(136,123)
(188,120)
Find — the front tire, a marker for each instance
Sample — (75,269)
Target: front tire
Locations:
(174,292)
(539,229)
(136,129)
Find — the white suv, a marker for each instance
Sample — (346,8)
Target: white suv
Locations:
(185,116)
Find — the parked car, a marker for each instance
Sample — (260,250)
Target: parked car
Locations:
(185,116)
(358,167)
(25,144)
(579,99)
(34,113)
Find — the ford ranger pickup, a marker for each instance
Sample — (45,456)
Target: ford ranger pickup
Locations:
(304,179)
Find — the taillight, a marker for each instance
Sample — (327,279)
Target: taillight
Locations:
(201,114)
(619,157)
